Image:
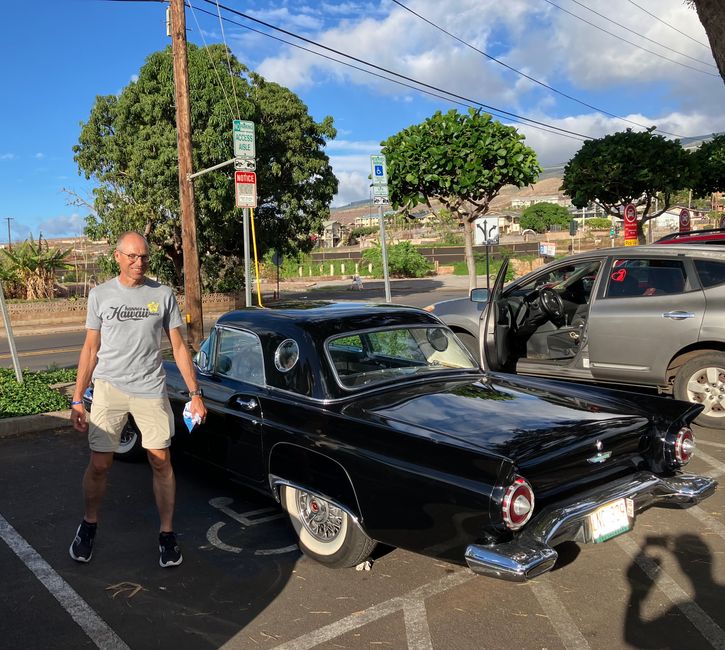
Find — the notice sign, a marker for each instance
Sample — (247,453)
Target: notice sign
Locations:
(630,225)
(245,189)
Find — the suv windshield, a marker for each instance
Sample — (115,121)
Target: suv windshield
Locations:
(366,358)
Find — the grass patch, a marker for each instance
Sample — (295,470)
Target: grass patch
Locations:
(35,394)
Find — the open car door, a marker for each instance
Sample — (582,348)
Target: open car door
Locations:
(495,327)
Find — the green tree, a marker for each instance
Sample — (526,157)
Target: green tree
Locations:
(128,145)
(628,167)
(541,216)
(709,166)
(460,161)
(34,266)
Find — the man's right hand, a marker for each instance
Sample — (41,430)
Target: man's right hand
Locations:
(78,418)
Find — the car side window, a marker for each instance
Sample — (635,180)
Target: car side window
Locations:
(711,273)
(646,277)
(240,356)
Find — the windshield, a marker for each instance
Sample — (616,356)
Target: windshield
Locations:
(373,357)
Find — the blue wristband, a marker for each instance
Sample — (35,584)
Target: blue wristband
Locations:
(75,403)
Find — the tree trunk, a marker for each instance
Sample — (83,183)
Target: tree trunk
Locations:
(468,227)
(712,17)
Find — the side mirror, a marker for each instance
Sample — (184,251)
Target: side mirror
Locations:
(479,295)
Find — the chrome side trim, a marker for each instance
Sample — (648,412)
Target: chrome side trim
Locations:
(531,553)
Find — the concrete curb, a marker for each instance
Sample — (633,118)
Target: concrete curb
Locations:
(53,421)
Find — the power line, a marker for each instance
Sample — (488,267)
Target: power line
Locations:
(657,18)
(596,13)
(523,74)
(624,40)
(527,120)
(395,81)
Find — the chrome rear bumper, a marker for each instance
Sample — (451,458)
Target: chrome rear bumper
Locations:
(531,552)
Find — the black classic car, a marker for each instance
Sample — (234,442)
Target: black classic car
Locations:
(373,424)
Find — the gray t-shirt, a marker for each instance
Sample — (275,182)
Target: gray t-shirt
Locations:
(131,321)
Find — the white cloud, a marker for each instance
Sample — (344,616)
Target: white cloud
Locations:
(39,156)
(62,226)
(7,156)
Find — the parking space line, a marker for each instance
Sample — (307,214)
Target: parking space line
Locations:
(712,632)
(416,625)
(700,441)
(712,461)
(78,609)
(563,624)
(359,619)
(710,522)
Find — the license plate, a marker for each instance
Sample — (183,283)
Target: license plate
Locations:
(610,520)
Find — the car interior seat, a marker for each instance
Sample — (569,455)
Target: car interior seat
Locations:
(627,286)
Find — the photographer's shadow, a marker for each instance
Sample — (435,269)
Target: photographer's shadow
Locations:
(673,628)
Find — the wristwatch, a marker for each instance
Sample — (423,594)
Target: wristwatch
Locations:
(194,393)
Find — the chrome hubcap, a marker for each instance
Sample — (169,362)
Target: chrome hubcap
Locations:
(707,387)
(319,517)
(128,437)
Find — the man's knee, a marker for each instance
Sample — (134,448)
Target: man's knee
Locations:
(160,460)
(100,463)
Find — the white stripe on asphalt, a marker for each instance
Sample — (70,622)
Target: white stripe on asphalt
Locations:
(563,624)
(92,624)
(676,594)
(712,461)
(416,625)
(710,522)
(359,619)
(719,445)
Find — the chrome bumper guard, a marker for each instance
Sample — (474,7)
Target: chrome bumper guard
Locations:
(531,552)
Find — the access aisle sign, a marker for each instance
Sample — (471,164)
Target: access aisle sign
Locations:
(245,189)
(244,141)
(379,170)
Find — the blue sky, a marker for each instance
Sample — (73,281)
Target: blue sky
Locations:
(60,54)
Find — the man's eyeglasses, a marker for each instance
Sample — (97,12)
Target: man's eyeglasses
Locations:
(132,257)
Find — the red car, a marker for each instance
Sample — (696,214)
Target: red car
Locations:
(713,236)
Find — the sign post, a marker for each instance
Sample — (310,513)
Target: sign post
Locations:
(245,187)
(630,225)
(379,174)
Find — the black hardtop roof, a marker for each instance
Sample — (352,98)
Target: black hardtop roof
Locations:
(326,318)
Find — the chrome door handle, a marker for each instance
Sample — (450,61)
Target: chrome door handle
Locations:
(678,315)
(247,404)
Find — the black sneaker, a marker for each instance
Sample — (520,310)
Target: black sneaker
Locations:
(169,549)
(81,550)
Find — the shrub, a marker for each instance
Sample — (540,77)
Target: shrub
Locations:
(34,395)
(404,261)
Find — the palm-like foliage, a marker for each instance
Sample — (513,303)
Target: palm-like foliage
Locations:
(34,265)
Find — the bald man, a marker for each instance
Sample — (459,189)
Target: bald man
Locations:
(122,355)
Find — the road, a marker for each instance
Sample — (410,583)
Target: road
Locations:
(38,351)
(244,584)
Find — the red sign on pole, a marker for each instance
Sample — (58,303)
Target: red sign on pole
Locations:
(684,220)
(245,189)
(630,225)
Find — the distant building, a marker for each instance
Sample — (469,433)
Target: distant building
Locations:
(525,201)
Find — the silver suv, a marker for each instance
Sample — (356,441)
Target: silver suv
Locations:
(649,316)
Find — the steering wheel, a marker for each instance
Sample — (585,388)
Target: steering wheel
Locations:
(552,304)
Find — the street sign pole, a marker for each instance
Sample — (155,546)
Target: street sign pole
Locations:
(384,249)
(247,262)
(11,338)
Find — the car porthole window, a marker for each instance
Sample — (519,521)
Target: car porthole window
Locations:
(286,355)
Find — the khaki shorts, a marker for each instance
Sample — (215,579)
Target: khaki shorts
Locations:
(109,414)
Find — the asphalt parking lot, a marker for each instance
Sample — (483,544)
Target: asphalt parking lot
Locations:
(244,584)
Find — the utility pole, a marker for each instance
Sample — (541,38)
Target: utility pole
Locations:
(10,241)
(192,283)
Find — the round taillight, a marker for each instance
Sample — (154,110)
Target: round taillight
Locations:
(684,445)
(518,503)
